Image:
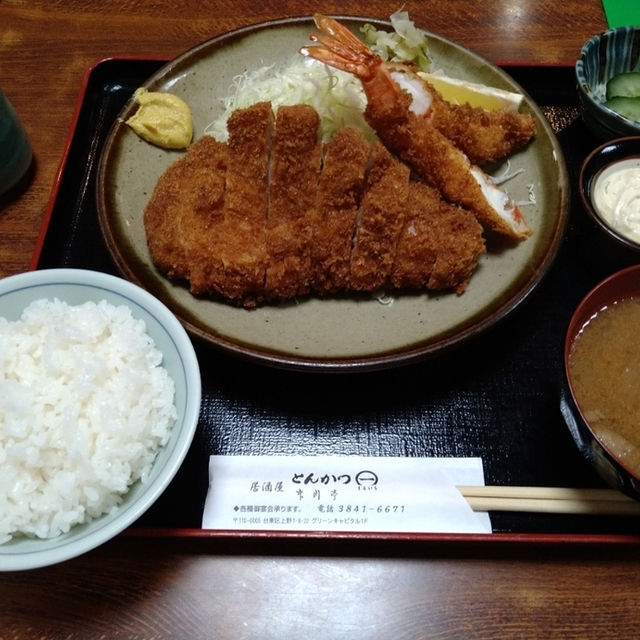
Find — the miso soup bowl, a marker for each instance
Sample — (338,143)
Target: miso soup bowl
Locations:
(619,286)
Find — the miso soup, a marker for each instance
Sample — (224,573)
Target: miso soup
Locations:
(604,369)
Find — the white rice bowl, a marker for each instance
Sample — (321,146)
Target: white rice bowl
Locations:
(99,398)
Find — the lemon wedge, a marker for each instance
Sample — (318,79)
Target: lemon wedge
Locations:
(477,95)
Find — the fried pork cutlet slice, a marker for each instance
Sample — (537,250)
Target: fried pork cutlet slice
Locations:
(339,193)
(439,245)
(169,213)
(294,174)
(241,249)
(203,219)
(380,220)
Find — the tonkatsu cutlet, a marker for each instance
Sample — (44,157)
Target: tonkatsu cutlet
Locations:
(202,223)
(184,197)
(293,182)
(379,220)
(271,215)
(340,190)
(241,247)
(439,245)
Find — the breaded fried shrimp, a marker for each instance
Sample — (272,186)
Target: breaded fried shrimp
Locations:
(412,137)
(483,136)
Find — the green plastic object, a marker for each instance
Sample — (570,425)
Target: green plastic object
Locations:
(622,13)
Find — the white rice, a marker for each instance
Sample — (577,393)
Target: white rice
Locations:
(85,405)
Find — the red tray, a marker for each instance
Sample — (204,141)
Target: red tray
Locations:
(496,397)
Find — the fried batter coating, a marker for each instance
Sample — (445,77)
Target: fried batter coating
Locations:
(483,136)
(439,246)
(203,220)
(263,218)
(380,220)
(241,248)
(338,198)
(184,194)
(434,158)
(295,171)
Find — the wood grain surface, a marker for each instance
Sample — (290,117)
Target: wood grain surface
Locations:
(156,588)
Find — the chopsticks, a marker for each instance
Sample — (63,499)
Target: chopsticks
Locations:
(550,500)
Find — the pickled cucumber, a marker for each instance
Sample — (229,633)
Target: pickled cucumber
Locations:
(628,107)
(626,85)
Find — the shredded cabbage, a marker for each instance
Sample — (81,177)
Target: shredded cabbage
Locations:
(406,44)
(337,96)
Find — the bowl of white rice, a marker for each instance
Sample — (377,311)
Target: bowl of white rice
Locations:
(100,396)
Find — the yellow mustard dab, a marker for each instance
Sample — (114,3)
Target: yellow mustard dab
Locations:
(162,119)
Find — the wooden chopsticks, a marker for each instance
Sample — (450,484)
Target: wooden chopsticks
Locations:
(550,500)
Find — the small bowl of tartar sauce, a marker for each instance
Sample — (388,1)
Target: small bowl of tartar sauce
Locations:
(610,189)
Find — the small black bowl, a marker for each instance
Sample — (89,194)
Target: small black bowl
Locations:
(605,156)
(619,286)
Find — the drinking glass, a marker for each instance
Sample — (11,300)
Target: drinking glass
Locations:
(15,149)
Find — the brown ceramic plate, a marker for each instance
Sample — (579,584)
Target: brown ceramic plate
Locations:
(346,333)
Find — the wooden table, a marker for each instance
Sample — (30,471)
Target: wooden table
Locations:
(168,587)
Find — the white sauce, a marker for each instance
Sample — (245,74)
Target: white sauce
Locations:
(616,197)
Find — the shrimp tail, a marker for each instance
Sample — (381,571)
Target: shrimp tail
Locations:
(327,53)
(330,27)
(341,49)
